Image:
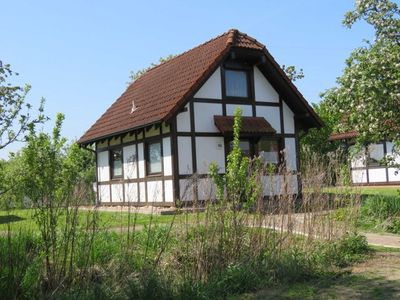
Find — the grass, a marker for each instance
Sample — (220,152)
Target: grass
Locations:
(377,278)
(22,219)
(382,191)
(367,190)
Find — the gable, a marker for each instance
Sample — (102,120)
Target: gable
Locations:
(211,89)
(263,89)
(163,91)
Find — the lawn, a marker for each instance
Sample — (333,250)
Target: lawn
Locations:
(22,219)
(379,190)
(388,191)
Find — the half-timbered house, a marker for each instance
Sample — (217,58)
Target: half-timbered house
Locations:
(176,119)
(367,164)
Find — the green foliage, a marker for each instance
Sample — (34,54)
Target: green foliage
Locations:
(116,274)
(315,140)
(350,249)
(381,213)
(383,15)
(292,73)
(368,93)
(15,113)
(43,165)
(240,183)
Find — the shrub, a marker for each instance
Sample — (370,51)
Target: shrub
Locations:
(381,213)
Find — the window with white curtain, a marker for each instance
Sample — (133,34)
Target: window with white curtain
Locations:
(236,83)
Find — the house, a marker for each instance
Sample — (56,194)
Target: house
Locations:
(366,165)
(176,119)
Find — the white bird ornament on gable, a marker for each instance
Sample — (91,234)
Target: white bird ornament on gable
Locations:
(134,108)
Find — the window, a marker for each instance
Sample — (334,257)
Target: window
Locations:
(375,155)
(244,145)
(153,154)
(268,150)
(116,163)
(236,83)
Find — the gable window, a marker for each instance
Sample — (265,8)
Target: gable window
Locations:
(116,163)
(236,83)
(268,149)
(153,155)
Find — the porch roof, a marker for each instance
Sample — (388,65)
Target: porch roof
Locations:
(250,125)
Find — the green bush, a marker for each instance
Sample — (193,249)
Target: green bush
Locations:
(381,213)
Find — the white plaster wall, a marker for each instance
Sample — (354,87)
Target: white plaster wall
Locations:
(359,176)
(117,192)
(103,167)
(263,89)
(271,114)
(186,190)
(394,174)
(211,89)
(154,191)
(183,120)
(168,191)
(206,189)
(185,155)
(357,159)
(247,110)
(377,175)
(104,193)
(142,191)
(131,192)
(167,161)
(130,162)
(204,116)
(290,154)
(279,184)
(389,149)
(210,149)
(141,160)
(288,119)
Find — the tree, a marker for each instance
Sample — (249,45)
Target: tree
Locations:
(315,140)
(136,75)
(46,168)
(367,95)
(15,112)
(292,73)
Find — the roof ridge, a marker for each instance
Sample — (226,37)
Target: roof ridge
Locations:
(251,39)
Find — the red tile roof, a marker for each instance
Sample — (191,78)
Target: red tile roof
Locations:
(343,136)
(250,125)
(161,91)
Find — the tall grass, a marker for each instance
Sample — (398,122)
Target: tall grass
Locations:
(224,245)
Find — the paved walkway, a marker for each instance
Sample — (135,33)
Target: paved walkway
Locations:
(383,240)
(299,224)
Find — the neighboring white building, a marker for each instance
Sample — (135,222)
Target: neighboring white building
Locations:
(366,165)
(176,119)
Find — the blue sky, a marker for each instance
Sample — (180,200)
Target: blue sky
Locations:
(78,54)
